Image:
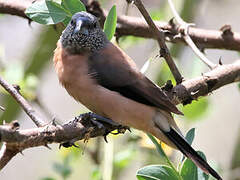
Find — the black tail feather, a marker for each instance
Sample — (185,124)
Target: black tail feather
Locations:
(189,152)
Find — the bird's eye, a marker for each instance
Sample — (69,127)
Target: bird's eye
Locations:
(72,22)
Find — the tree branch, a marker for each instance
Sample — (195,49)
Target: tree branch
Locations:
(185,26)
(194,88)
(164,52)
(14,8)
(85,126)
(22,102)
(135,26)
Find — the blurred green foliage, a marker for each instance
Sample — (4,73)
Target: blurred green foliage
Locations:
(39,56)
(110,23)
(196,109)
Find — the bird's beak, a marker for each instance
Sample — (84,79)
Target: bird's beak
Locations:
(78,26)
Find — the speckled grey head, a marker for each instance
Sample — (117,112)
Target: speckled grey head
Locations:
(83,34)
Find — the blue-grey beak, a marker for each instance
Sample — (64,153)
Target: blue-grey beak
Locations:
(79,27)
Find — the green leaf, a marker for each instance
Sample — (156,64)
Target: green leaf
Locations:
(190,171)
(46,12)
(66,20)
(111,23)
(196,109)
(73,6)
(190,136)
(156,172)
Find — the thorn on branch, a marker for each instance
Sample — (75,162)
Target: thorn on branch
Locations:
(17,87)
(14,125)
(54,121)
(168,86)
(226,30)
(129,1)
(220,61)
(172,23)
(68,144)
(46,145)
(162,52)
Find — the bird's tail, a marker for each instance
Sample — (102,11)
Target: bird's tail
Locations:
(189,152)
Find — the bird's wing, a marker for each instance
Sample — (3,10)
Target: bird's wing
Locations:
(114,70)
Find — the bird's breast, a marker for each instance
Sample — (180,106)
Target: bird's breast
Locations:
(72,71)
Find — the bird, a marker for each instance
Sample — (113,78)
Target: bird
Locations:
(101,76)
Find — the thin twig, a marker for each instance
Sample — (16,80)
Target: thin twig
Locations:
(185,26)
(164,52)
(22,102)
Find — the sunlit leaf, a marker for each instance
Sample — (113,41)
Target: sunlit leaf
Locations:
(110,23)
(156,172)
(73,6)
(46,12)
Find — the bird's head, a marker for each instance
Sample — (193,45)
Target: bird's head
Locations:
(83,34)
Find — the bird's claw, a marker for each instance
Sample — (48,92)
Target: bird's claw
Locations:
(120,130)
(68,144)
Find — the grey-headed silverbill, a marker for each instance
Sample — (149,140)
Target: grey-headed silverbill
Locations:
(106,80)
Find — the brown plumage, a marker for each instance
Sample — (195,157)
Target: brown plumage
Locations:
(107,81)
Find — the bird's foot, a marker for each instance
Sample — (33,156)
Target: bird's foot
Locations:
(92,120)
(100,121)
